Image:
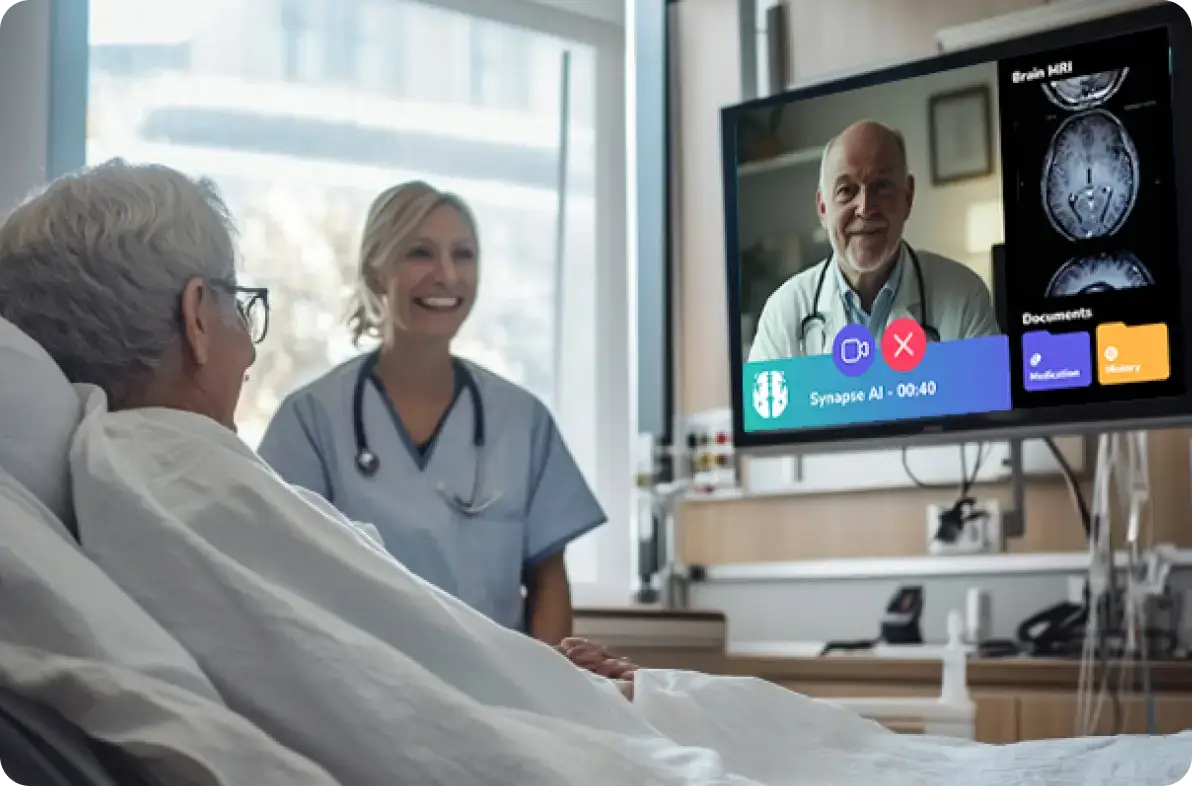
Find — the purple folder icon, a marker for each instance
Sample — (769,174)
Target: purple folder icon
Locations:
(1055,361)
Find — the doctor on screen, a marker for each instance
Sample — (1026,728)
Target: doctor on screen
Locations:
(464,474)
(873,277)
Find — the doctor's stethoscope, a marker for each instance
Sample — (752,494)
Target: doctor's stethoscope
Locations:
(368,462)
(817,316)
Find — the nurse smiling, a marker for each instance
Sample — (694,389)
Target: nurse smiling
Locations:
(463,473)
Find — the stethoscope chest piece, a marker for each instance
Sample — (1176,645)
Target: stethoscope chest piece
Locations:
(369,462)
(817,317)
(366,462)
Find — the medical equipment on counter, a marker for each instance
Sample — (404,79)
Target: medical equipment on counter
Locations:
(817,316)
(1053,630)
(900,625)
(1160,607)
(368,462)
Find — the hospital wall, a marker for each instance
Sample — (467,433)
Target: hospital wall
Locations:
(827,38)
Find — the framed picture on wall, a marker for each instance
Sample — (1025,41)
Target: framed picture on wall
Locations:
(961,136)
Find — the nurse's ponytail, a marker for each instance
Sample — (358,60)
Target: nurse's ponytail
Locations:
(394,216)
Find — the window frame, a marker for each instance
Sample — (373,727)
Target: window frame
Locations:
(613,402)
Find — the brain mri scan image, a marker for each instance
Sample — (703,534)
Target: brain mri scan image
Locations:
(1080,93)
(1099,273)
(1090,176)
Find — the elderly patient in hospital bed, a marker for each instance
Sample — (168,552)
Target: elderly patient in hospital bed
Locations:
(310,630)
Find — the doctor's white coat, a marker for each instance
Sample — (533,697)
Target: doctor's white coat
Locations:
(959,306)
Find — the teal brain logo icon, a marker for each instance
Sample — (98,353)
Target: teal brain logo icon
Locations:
(770,395)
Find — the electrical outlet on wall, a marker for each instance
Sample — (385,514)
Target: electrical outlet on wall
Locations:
(980,534)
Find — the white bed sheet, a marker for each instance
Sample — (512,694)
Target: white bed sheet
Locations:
(776,737)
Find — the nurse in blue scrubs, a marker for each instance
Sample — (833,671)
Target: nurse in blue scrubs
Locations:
(463,473)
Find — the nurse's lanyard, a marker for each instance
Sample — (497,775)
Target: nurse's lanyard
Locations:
(369,462)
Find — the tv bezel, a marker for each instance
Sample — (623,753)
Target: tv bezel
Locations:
(1167,412)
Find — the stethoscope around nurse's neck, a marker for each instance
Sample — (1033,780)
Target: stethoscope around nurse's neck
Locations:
(817,316)
(368,462)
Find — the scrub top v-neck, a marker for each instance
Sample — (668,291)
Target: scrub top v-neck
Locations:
(543,502)
(421,453)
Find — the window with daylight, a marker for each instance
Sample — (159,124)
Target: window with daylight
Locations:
(302,111)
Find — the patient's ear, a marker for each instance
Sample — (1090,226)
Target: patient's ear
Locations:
(198,317)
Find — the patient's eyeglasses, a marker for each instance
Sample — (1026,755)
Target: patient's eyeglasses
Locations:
(252,303)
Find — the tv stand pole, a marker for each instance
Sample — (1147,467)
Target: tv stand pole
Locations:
(1014,519)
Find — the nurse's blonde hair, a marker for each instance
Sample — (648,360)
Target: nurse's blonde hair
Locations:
(392,219)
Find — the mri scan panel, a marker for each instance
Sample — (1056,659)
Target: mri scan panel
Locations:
(1090,176)
(1080,93)
(1099,273)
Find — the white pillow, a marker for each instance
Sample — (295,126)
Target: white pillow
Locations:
(39,412)
(56,600)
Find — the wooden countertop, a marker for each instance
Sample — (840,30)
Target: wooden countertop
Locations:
(648,612)
(982,672)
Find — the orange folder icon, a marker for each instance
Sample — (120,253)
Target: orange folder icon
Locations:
(1129,354)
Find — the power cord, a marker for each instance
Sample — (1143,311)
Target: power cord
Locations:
(1078,499)
(906,467)
(968,480)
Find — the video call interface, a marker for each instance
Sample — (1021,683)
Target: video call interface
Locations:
(1029,204)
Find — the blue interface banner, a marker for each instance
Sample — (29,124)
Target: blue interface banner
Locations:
(953,378)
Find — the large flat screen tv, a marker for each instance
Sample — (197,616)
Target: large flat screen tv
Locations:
(864,215)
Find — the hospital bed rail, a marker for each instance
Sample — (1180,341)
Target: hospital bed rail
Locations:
(951,714)
(932,717)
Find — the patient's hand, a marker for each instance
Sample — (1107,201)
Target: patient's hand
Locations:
(596,659)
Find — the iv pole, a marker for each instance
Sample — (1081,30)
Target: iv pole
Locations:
(1122,466)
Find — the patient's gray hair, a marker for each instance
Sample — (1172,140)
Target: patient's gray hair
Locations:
(93,267)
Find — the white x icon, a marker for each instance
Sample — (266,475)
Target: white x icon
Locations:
(903,344)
